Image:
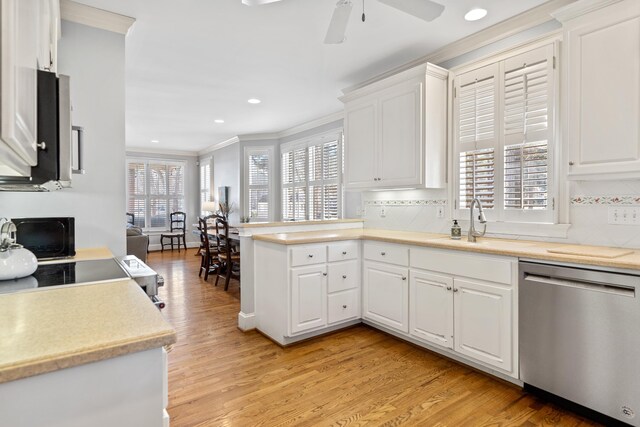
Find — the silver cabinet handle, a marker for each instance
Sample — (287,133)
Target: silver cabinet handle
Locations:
(324,274)
(571,163)
(310,256)
(455,289)
(344,276)
(383,253)
(42,145)
(344,306)
(344,252)
(448,288)
(404,278)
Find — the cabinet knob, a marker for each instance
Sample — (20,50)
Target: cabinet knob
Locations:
(310,255)
(344,276)
(344,306)
(383,253)
(570,163)
(42,145)
(455,289)
(404,278)
(324,274)
(448,288)
(344,252)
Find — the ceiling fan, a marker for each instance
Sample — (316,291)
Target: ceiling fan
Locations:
(424,9)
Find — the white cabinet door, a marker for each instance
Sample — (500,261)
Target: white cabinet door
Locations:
(19,35)
(49,27)
(483,322)
(401,138)
(386,295)
(361,169)
(603,92)
(431,308)
(308,298)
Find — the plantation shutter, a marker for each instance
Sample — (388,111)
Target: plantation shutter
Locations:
(136,200)
(205,183)
(528,104)
(258,184)
(476,129)
(287,185)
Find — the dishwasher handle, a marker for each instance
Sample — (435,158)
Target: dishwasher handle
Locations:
(626,291)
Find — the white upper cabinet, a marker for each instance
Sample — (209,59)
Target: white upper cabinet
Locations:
(28,37)
(395,131)
(602,94)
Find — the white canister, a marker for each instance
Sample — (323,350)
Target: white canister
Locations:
(17,263)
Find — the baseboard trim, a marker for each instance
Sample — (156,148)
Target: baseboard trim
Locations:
(246,322)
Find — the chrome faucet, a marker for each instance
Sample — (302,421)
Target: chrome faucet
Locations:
(472,229)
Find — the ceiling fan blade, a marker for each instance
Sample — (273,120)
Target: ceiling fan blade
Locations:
(339,21)
(423,9)
(257,2)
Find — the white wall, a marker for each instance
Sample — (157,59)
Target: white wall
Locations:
(226,173)
(95,61)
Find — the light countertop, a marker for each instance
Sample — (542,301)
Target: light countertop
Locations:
(63,327)
(516,248)
(85,254)
(294,223)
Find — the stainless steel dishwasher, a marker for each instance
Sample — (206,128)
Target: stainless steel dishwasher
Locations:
(580,337)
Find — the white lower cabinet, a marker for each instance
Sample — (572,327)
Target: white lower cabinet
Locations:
(386,295)
(343,306)
(431,310)
(308,298)
(483,322)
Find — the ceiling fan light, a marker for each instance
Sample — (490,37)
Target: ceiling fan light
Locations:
(339,21)
(475,14)
(257,2)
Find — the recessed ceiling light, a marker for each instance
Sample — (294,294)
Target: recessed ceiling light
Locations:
(475,14)
(254,101)
(219,121)
(155,141)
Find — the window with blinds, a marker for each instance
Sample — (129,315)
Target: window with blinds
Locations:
(311,177)
(258,170)
(504,142)
(205,183)
(155,188)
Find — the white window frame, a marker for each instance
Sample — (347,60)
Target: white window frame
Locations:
(249,150)
(500,215)
(305,143)
(205,192)
(148,196)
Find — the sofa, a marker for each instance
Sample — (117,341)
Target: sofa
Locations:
(137,243)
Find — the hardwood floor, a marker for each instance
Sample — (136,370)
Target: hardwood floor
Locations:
(220,376)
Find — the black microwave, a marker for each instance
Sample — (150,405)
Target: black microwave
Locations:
(47,238)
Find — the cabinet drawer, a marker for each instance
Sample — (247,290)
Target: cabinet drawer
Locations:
(392,254)
(308,255)
(477,266)
(343,251)
(344,275)
(344,306)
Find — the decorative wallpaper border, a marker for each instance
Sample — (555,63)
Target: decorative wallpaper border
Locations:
(605,200)
(405,202)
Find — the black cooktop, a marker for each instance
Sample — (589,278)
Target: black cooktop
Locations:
(66,273)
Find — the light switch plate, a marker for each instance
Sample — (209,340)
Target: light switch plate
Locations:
(439,211)
(624,215)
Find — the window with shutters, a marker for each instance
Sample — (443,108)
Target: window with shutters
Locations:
(257,204)
(503,116)
(155,188)
(205,183)
(311,178)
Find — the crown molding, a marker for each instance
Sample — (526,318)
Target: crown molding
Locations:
(219,145)
(275,135)
(147,150)
(94,17)
(514,25)
(580,8)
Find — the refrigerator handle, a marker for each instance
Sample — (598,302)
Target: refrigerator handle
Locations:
(80,131)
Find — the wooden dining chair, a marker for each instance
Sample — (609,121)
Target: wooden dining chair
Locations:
(226,255)
(178,227)
(208,251)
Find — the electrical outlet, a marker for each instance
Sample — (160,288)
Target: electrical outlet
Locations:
(383,212)
(439,211)
(624,215)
